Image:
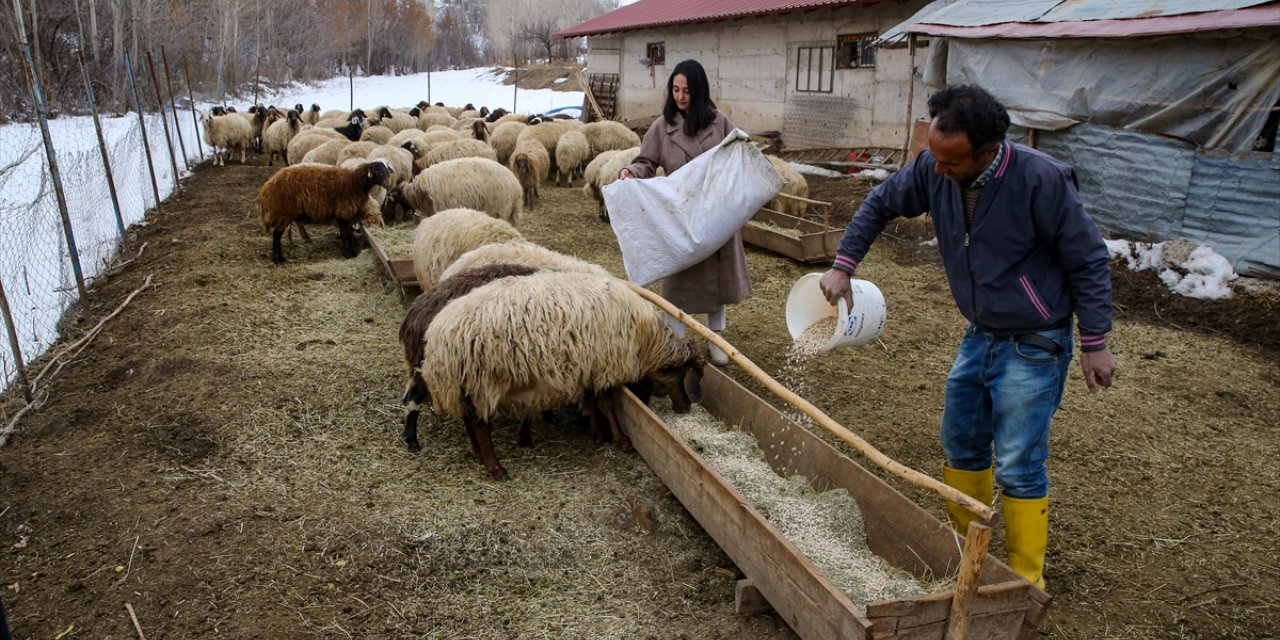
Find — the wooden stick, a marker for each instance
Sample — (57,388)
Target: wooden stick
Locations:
(888,464)
(976,542)
(137,627)
(586,88)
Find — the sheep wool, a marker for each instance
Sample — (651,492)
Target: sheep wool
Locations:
(275,140)
(795,185)
(521,252)
(504,138)
(461,148)
(326,153)
(442,238)
(355,150)
(228,133)
(521,346)
(377,134)
(317,194)
(572,153)
(474,183)
(606,135)
(531,165)
(309,139)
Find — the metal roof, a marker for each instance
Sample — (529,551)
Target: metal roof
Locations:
(647,14)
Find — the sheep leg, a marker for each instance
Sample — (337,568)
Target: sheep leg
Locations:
(481,434)
(525,437)
(277,253)
(348,239)
(414,397)
(607,404)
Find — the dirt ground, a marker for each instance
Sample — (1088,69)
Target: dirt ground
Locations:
(225,457)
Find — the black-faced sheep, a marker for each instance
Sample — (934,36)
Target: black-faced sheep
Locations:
(354,127)
(314,194)
(227,133)
(413,332)
(474,183)
(530,164)
(520,346)
(275,140)
(442,238)
(495,114)
(572,153)
(480,130)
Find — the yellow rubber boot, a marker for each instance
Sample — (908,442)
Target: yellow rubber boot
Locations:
(1026,534)
(978,485)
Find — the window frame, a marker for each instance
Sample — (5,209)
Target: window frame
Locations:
(826,68)
(660,48)
(857,47)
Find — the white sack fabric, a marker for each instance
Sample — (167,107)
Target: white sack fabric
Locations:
(667,224)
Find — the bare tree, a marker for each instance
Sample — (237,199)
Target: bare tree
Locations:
(539,30)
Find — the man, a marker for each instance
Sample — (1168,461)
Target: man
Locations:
(1022,258)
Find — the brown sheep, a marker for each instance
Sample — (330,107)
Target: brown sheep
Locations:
(316,194)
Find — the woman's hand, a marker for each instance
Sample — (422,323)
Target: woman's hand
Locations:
(625,174)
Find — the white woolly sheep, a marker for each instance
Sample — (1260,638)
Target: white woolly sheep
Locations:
(427,119)
(511,117)
(461,148)
(275,140)
(440,239)
(572,153)
(547,134)
(396,121)
(474,183)
(309,139)
(795,185)
(520,346)
(326,153)
(607,135)
(523,252)
(377,134)
(607,173)
(530,164)
(355,150)
(315,194)
(228,133)
(503,139)
(310,116)
(416,136)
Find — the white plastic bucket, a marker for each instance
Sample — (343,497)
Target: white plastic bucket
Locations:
(806,305)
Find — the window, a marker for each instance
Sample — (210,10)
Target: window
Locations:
(815,69)
(655,53)
(856,51)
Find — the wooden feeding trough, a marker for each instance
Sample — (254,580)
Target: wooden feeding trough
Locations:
(797,238)
(398,268)
(988,601)
(1004,605)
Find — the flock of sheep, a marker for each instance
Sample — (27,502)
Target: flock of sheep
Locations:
(504,327)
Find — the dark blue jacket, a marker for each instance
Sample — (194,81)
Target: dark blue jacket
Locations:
(1031,258)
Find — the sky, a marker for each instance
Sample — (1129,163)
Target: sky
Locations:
(34,264)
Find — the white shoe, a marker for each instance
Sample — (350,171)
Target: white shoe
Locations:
(718,357)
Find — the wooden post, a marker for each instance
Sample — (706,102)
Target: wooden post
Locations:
(974,554)
(916,478)
(14,345)
(195,120)
(515,78)
(164,122)
(351,89)
(173,107)
(911,92)
(102,144)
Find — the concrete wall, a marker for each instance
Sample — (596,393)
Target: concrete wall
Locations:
(752,67)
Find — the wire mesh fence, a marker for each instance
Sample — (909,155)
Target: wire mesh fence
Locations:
(37,269)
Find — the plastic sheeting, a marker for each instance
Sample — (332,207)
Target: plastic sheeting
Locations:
(1215,91)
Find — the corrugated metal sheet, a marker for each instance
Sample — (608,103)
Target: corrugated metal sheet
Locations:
(1132,183)
(1146,186)
(972,13)
(1234,206)
(647,14)
(1249,17)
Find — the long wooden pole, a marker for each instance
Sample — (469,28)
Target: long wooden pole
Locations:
(911,93)
(976,542)
(885,462)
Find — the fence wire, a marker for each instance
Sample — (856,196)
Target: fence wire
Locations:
(35,262)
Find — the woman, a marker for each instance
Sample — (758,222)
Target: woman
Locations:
(688,126)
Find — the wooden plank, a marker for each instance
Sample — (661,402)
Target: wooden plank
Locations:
(748,599)
(901,532)
(813,607)
(816,243)
(398,268)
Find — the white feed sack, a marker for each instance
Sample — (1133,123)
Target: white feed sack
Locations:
(669,223)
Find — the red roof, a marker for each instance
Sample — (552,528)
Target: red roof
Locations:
(646,14)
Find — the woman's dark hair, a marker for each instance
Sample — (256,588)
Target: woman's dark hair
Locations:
(971,110)
(702,111)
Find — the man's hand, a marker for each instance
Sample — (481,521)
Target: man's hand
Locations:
(1099,368)
(835,285)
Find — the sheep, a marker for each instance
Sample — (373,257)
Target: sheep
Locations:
(592,172)
(230,133)
(335,114)
(547,134)
(504,138)
(480,130)
(355,150)
(511,117)
(317,194)
(309,139)
(521,252)
(326,153)
(606,174)
(607,135)
(461,148)
(520,346)
(572,153)
(377,134)
(440,239)
(428,119)
(400,159)
(413,330)
(354,127)
(417,136)
(309,116)
(795,185)
(530,163)
(495,114)
(475,183)
(275,140)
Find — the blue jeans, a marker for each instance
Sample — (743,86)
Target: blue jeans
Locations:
(1001,395)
